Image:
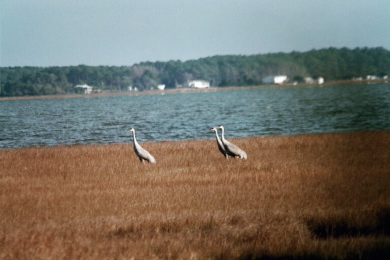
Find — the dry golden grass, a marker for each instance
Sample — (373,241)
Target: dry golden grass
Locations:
(307,196)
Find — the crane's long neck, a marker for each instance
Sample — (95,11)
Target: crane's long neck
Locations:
(222,135)
(135,140)
(216,135)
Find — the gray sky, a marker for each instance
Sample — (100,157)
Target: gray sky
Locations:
(124,32)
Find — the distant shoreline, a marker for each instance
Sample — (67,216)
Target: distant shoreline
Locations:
(187,90)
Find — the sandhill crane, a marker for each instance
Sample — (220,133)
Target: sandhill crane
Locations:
(230,148)
(142,154)
(220,144)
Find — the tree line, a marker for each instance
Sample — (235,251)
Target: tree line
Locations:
(220,71)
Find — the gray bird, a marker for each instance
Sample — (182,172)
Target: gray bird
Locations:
(142,154)
(230,148)
(221,148)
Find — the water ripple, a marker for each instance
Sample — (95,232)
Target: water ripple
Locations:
(184,116)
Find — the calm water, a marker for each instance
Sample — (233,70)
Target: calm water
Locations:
(276,111)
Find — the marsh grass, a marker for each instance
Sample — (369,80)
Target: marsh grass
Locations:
(299,197)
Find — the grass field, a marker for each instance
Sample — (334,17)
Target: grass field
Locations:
(301,197)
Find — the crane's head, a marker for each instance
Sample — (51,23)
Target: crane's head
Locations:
(131,129)
(213,129)
(221,126)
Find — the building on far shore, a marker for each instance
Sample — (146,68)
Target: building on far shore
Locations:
(198,84)
(310,80)
(131,88)
(87,89)
(371,77)
(279,79)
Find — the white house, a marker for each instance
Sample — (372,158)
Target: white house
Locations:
(87,89)
(131,88)
(310,80)
(279,79)
(371,77)
(161,87)
(198,84)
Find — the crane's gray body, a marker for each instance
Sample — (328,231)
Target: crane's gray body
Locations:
(232,149)
(142,154)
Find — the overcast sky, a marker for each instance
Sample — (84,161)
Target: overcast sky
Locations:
(124,32)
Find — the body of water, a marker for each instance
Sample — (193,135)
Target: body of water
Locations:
(183,116)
